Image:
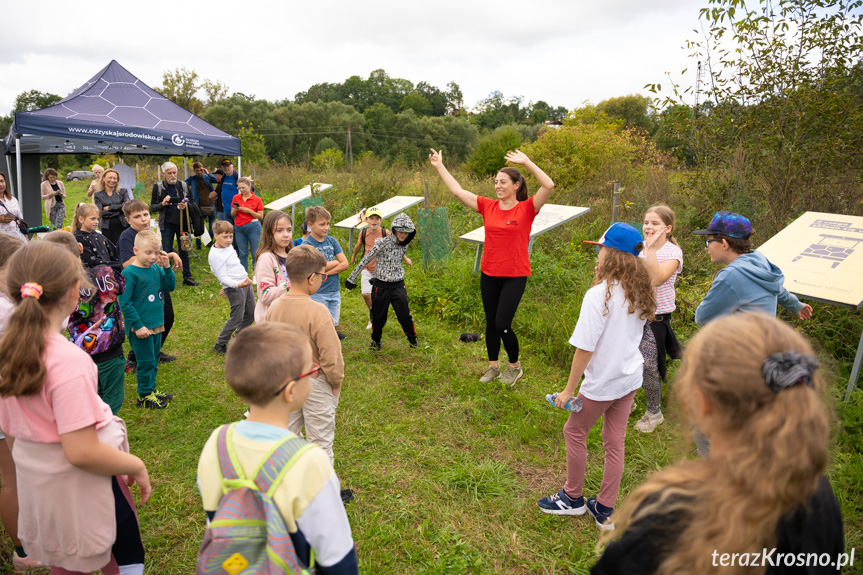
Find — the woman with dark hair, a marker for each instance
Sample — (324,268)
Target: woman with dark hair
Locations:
(9,210)
(53,192)
(109,199)
(505,261)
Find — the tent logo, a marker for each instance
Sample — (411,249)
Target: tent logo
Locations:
(178,140)
(69,147)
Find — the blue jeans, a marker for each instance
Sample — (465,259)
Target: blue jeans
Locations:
(333,301)
(226,217)
(168,235)
(248,237)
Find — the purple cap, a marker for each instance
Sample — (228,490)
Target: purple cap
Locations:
(728,224)
(622,237)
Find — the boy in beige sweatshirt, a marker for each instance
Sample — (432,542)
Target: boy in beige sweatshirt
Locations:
(306,267)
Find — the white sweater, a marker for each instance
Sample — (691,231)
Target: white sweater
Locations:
(226,266)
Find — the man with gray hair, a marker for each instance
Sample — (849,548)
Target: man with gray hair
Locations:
(168,199)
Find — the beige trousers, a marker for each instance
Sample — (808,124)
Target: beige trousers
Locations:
(318,415)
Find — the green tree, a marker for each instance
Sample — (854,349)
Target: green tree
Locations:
(784,135)
(329,160)
(325,144)
(34,100)
(180,86)
(488,156)
(634,110)
(416,102)
(252,145)
(454,98)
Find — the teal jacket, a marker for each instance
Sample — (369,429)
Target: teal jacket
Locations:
(142,302)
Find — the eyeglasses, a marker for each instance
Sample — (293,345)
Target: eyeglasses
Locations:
(707,242)
(315,369)
(323,276)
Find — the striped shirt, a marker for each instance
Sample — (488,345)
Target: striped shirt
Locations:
(665,292)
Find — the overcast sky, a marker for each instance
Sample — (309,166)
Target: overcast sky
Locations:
(565,52)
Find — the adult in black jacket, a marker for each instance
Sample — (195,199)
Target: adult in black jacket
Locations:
(169,197)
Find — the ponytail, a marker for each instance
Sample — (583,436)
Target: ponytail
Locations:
(55,270)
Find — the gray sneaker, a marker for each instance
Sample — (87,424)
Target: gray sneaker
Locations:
(511,375)
(490,374)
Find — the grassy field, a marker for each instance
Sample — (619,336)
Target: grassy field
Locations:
(446,470)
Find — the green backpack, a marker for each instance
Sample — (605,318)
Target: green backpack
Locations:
(247,534)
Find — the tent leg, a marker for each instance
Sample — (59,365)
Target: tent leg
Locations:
(18,168)
(185,169)
(240,165)
(855,370)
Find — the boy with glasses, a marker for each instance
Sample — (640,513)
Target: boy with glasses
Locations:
(748,282)
(271,367)
(306,269)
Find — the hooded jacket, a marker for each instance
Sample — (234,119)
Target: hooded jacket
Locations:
(749,283)
(389,251)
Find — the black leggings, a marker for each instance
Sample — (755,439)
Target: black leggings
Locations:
(500,299)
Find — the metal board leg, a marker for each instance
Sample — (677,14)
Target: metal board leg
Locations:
(351,239)
(855,369)
(478,259)
(530,245)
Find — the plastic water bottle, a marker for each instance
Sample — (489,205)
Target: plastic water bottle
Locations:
(574,404)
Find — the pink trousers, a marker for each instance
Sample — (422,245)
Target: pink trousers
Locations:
(615,417)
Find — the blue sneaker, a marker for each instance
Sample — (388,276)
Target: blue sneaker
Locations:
(561,504)
(601,514)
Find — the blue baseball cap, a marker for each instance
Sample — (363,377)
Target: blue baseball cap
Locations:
(727,224)
(622,237)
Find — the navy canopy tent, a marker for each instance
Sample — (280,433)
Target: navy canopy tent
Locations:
(114,112)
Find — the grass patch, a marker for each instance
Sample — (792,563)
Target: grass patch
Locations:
(447,470)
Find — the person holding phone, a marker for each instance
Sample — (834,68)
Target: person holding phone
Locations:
(170,196)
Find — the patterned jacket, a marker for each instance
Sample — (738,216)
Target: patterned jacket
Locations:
(389,251)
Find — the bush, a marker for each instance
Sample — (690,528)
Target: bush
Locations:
(329,159)
(487,157)
(325,144)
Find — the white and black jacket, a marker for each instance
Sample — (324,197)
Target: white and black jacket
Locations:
(389,252)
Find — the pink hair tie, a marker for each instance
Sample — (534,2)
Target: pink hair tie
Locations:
(31,289)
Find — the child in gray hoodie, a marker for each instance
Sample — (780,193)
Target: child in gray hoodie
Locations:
(388,283)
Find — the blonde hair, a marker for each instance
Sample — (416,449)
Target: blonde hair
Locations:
(221,227)
(56,270)
(82,211)
(244,180)
(630,272)
(666,214)
(774,447)
(303,261)
(100,187)
(147,239)
(65,239)
(262,357)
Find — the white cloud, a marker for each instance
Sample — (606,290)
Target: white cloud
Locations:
(553,50)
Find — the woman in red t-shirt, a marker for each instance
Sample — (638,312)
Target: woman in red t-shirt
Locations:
(505,261)
(247,209)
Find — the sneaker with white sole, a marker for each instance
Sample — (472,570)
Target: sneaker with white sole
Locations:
(601,514)
(649,421)
(22,564)
(511,375)
(369,325)
(562,504)
(490,374)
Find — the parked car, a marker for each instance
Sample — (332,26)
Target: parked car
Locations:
(79,175)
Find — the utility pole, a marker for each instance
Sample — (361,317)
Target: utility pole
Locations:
(349,152)
(697,87)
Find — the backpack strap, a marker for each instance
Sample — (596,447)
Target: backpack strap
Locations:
(228,466)
(277,463)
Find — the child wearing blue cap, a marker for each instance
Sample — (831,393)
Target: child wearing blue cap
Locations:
(748,282)
(607,337)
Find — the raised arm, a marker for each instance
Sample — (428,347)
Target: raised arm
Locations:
(546,185)
(659,273)
(464,196)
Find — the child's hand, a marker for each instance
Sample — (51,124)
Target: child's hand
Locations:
(143,480)
(651,240)
(804,313)
(177,262)
(143,333)
(408,261)
(353,259)
(562,398)
(245,282)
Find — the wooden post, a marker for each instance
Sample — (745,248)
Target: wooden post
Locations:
(426,192)
(614,201)
(137,172)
